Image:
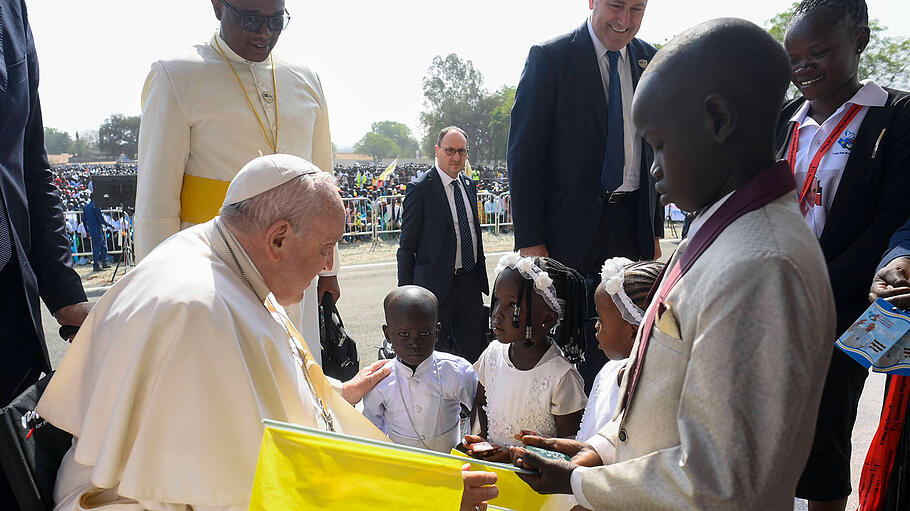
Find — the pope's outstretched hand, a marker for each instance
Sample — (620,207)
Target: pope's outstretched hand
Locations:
(354,389)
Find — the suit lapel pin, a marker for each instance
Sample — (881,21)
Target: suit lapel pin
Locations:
(642,63)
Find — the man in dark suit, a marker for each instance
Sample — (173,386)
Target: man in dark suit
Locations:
(441,247)
(578,171)
(35,255)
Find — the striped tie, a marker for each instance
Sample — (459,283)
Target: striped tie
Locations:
(615,158)
(464,230)
(6,239)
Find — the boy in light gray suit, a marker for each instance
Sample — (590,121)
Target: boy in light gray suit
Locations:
(722,388)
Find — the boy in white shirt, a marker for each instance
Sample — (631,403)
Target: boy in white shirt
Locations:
(420,402)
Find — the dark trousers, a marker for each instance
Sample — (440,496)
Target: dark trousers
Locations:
(20,364)
(20,358)
(827,472)
(615,237)
(461,314)
(99,250)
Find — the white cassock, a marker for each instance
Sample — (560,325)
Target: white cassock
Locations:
(196,123)
(167,381)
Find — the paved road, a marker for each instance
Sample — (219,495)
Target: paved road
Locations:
(364,286)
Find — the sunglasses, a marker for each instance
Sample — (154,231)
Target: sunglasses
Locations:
(253,22)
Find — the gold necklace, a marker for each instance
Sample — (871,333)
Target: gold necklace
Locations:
(265,132)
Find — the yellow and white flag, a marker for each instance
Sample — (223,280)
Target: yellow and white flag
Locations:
(304,468)
(388,170)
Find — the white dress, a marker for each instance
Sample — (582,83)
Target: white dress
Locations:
(602,402)
(518,399)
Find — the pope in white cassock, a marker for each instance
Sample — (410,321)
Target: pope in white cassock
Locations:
(167,382)
(207,113)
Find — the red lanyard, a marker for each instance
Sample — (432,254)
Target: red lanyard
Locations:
(820,153)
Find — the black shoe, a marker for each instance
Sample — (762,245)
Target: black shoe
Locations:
(105,266)
(96,268)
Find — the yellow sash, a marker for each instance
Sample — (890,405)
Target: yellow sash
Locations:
(201,198)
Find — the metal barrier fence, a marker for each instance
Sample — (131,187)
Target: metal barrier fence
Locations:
(378,219)
(119,240)
(365,220)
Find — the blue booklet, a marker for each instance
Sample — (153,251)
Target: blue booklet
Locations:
(880,339)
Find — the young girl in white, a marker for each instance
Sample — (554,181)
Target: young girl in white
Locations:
(527,380)
(621,299)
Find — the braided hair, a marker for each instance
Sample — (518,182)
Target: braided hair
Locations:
(638,279)
(852,13)
(570,291)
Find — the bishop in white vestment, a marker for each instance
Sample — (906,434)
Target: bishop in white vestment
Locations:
(207,113)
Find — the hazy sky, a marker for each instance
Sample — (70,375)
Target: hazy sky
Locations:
(370,55)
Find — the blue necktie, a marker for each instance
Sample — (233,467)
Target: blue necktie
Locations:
(464,230)
(6,238)
(615,157)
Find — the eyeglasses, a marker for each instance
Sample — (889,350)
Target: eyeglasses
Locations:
(451,151)
(253,22)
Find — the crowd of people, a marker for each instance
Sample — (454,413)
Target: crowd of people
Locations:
(74,180)
(370,202)
(355,180)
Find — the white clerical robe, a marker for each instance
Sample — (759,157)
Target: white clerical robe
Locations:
(166,384)
(196,121)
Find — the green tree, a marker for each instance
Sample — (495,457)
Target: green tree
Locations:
(57,142)
(501,121)
(85,142)
(378,146)
(118,135)
(454,96)
(398,132)
(886,60)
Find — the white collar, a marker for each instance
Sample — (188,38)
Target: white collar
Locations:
(419,371)
(703,217)
(230,53)
(869,95)
(446,179)
(599,49)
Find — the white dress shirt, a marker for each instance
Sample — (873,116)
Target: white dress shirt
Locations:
(831,166)
(470,209)
(631,142)
(431,396)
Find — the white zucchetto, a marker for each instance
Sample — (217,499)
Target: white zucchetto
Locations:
(264,173)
